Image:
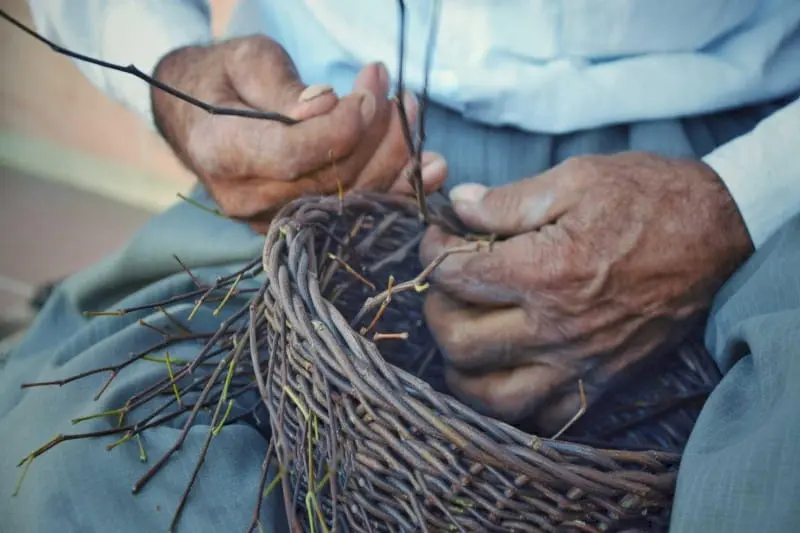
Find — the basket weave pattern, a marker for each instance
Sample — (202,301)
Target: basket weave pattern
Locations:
(370,439)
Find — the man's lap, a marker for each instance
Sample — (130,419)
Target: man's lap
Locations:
(79,486)
(741,466)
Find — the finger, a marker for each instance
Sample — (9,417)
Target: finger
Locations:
(258,200)
(392,153)
(270,150)
(372,80)
(562,409)
(315,100)
(528,263)
(474,338)
(262,74)
(511,395)
(257,195)
(434,174)
(264,77)
(516,208)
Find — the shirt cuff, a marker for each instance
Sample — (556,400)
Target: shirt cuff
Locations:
(761,172)
(141,33)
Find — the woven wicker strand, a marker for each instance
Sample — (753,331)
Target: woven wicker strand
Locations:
(325,334)
(369,437)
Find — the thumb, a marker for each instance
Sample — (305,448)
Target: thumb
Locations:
(511,209)
(266,78)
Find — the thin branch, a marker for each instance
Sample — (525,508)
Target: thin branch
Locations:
(418,282)
(577,415)
(186,269)
(350,270)
(198,465)
(262,484)
(381,309)
(400,88)
(430,47)
(132,70)
(112,369)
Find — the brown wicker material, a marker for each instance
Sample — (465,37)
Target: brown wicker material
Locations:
(369,425)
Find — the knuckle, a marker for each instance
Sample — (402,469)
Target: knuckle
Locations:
(252,46)
(580,170)
(245,54)
(503,202)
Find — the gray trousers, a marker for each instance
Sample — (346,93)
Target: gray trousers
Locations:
(741,471)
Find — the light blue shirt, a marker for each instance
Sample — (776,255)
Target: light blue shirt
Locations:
(549,66)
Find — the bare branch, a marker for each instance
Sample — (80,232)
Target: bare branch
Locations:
(133,71)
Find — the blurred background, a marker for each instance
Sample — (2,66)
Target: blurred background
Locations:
(79,174)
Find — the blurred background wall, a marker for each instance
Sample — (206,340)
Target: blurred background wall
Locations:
(79,174)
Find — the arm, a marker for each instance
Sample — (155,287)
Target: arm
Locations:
(762,172)
(138,32)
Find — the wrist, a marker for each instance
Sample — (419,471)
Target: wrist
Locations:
(729,205)
(760,173)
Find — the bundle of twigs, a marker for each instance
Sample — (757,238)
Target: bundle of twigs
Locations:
(325,334)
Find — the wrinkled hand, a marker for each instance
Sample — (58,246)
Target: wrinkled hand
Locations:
(609,261)
(253,167)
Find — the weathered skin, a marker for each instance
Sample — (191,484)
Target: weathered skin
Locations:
(608,260)
(253,167)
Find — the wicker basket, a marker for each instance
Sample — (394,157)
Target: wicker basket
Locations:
(372,441)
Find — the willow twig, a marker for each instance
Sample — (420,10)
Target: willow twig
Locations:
(132,70)
(172,379)
(139,485)
(198,465)
(381,309)
(352,271)
(256,521)
(577,415)
(189,272)
(418,282)
(112,369)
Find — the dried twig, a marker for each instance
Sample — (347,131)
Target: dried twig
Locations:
(415,149)
(418,283)
(132,70)
(576,416)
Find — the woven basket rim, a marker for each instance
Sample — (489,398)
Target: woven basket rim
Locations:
(278,231)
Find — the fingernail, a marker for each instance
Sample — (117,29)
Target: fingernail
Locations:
(468,193)
(368,108)
(314,91)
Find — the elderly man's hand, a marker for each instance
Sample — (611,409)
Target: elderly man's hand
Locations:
(608,261)
(252,167)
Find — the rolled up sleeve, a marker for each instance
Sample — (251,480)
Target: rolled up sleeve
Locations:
(762,172)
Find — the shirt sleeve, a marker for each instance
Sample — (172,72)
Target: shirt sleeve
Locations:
(126,32)
(762,172)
